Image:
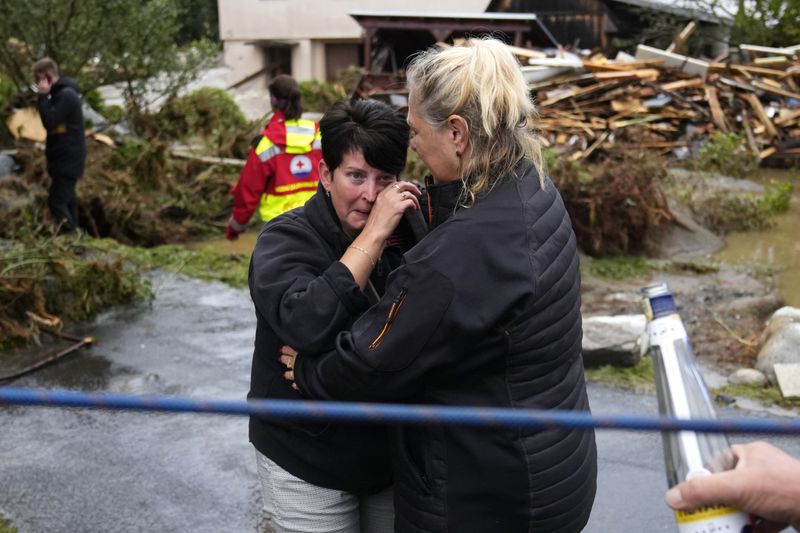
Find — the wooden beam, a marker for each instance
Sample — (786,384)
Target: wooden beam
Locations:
(649,74)
(682,84)
(525,52)
(682,37)
(586,153)
(786,117)
(746,69)
(716,110)
(575,93)
(630,65)
(761,115)
(768,87)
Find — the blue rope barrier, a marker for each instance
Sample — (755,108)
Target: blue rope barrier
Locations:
(384,413)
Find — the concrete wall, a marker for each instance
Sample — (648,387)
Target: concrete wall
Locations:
(246,26)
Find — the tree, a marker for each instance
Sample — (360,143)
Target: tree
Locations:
(134,42)
(762,22)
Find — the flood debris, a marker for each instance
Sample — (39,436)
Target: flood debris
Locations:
(658,100)
(45,283)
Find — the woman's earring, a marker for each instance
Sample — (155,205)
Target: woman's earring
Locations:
(328,194)
(458,154)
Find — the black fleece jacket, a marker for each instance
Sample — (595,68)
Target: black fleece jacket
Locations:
(303,297)
(485,311)
(62,117)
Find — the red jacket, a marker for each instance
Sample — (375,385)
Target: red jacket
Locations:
(282,170)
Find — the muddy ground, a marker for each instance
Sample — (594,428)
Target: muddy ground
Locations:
(724,311)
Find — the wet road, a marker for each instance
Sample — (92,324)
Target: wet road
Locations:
(65,471)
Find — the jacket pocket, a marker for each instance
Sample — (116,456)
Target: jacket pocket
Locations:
(412,460)
(393,311)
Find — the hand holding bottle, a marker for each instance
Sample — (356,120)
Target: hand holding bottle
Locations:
(765,482)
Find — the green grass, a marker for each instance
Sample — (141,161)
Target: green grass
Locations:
(769,395)
(619,267)
(6,527)
(633,267)
(637,378)
(201,264)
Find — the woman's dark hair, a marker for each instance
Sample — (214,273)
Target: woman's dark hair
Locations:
(286,96)
(369,126)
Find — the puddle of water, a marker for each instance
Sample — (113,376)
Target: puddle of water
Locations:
(243,245)
(777,246)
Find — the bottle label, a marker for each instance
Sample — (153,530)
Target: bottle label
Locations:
(713,519)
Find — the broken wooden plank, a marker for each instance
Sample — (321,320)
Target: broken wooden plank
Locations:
(768,87)
(761,115)
(787,116)
(657,144)
(586,153)
(630,65)
(772,61)
(575,93)
(634,121)
(746,69)
(766,153)
(682,84)
(682,37)
(751,139)
(716,111)
(525,52)
(649,74)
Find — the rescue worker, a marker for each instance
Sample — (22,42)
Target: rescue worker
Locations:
(282,169)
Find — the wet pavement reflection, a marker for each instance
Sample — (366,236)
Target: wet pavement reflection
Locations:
(68,470)
(82,470)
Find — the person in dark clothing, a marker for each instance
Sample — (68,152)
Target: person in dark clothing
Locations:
(484,311)
(313,271)
(60,108)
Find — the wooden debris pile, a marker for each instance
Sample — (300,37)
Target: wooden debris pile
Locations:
(657,100)
(664,101)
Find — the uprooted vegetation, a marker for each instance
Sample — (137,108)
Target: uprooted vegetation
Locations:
(614,206)
(48,282)
(138,192)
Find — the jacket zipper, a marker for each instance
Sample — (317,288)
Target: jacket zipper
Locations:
(392,314)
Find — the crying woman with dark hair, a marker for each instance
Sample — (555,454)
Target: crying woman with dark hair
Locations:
(314,270)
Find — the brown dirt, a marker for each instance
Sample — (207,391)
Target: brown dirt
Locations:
(724,312)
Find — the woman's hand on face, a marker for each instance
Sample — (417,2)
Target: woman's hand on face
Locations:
(389,207)
(288,356)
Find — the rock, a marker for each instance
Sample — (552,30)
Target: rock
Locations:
(780,347)
(748,376)
(685,237)
(779,319)
(788,377)
(612,340)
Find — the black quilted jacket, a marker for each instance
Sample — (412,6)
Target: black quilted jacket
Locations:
(62,116)
(484,311)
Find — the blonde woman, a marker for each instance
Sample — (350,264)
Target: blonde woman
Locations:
(485,311)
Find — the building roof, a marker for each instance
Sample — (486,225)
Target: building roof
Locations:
(676,7)
(457,21)
(444,15)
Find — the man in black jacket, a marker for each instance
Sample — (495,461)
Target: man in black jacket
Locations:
(60,108)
